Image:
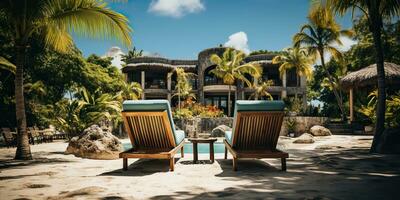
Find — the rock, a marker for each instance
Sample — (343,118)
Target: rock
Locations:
(219,131)
(305,138)
(95,143)
(390,141)
(318,130)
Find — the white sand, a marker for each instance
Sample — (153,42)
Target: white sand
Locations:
(335,167)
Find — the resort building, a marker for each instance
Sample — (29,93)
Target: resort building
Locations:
(153,73)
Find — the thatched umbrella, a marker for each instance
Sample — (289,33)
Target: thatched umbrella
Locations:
(368,77)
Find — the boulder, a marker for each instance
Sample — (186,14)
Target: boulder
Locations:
(219,131)
(389,142)
(305,138)
(318,130)
(94,143)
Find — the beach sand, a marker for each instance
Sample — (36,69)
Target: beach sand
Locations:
(334,167)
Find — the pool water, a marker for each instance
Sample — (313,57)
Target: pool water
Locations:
(188,147)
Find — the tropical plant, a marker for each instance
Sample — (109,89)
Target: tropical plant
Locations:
(294,58)
(230,68)
(131,91)
(261,90)
(319,37)
(392,118)
(291,125)
(53,21)
(183,87)
(7,65)
(133,53)
(375,11)
(77,114)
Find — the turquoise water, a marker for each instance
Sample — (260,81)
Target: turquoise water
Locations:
(188,147)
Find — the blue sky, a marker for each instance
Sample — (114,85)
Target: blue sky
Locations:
(181,28)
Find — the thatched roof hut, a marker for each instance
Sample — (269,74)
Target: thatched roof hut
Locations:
(368,76)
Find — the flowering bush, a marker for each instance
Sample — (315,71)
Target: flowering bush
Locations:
(190,108)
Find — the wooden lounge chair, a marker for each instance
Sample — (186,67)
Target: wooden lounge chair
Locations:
(255,131)
(9,137)
(151,131)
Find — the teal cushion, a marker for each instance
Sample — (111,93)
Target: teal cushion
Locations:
(228,136)
(179,136)
(257,105)
(153,105)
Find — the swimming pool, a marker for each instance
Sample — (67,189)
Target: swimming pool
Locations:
(188,147)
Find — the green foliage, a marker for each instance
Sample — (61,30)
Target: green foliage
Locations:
(293,104)
(258,52)
(291,125)
(392,118)
(74,115)
(133,53)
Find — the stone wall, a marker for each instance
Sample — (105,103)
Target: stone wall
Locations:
(208,124)
(303,124)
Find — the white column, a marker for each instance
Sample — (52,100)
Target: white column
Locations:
(284,91)
(143,82)
(169,75)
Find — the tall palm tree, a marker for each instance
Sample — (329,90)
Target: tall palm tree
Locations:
(375,11)
(230,67)
(54,21)
(294,58)
(319,37)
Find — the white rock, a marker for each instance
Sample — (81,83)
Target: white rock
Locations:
(318,130)
(305,138)
(95,143)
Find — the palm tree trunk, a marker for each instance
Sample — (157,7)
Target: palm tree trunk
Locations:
(335,92)
(23,149)
(375,28)
(229,101)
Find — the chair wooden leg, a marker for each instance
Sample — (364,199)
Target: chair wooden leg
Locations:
(226,153)
(124,164)
(182,153)
(234,160)
(171,164)
(283,163)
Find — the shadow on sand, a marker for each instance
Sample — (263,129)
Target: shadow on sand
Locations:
(343,174)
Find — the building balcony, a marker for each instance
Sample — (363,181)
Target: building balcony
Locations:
(218,88)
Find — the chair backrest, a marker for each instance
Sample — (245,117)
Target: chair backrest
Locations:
(149,124)
(257,124)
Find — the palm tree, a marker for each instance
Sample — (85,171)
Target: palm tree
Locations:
(262,90)
(375,11)
(294,58)
(53,21)
(183,86)
(230,68)
(133,53)
(319,37)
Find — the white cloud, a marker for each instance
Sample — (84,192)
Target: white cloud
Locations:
(238,41)
(175,8)
(116,54)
